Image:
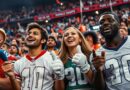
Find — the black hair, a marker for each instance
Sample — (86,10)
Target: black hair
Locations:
(6,43)
(112,13)
(124,21)
(52,37)
(44,33)
(93,34)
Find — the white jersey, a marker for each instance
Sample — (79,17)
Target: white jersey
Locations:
(35,74)
(117,66)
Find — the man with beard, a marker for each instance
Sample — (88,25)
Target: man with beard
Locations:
(39,68)
(51,44)
(112,60)
(14,53)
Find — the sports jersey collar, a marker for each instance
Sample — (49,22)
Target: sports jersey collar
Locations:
(115,49)
(31,59)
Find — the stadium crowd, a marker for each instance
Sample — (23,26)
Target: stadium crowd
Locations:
(30,12)
(17,42)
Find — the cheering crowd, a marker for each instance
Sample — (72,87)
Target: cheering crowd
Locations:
(66,54)
(80,63)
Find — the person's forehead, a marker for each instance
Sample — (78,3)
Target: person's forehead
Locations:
(51,39)
(34,30)
(70,30)
(106,16)
(1,33)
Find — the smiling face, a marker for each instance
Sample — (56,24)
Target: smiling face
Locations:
(71,37)
(33,38)
(109,26)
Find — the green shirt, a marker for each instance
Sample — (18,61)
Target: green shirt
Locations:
(74,79)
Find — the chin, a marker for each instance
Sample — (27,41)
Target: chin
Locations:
(71,46)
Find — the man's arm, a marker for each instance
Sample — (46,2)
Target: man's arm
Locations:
(5,84)
(98,62)
(8,69)
(59,85)
(99,82)
(15,83)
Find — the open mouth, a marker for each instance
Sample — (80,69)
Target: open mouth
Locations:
(107,30)
(30,40)
(70,40)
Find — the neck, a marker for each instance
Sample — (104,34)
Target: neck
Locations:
(13,53)
(72,51)
(116,41)
(35,52)
(50,48)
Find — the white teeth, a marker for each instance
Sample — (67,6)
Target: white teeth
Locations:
(32,42)
(107,31)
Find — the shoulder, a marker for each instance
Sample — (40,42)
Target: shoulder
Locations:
(47,55)
(20,61)
(128,38)
(126,41)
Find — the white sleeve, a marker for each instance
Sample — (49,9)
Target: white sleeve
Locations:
(17,69)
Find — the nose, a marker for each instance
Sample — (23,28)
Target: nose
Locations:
(30,34)
(106,22)
(69,35)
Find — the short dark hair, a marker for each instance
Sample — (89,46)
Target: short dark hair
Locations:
(52,37)
(44,33)
(112,13)
(93,34)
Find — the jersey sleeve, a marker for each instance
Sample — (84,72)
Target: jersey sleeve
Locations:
(17,69)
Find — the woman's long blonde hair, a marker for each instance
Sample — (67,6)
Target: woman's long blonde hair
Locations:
(85,47)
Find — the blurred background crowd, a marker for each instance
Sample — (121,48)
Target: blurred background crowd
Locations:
(55,16)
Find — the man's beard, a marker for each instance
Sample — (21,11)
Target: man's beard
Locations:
(33,46)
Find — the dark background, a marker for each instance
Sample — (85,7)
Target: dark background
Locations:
(16,4)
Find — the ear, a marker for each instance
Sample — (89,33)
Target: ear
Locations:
(43,41)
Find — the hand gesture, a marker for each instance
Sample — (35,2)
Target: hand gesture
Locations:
(8,68)
(98,61)
(57,66)
(81,60)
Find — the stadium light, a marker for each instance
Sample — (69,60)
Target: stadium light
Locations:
(46,21)
(61,3)
(97,12)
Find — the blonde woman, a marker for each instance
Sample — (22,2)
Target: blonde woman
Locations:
(77,70)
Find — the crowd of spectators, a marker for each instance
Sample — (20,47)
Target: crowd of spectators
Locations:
(29,12)
(56,28)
